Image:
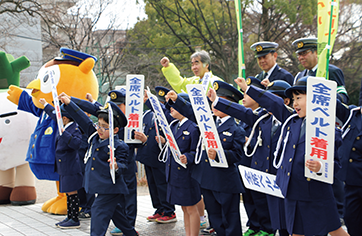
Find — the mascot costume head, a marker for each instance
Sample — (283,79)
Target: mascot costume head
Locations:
(73,75)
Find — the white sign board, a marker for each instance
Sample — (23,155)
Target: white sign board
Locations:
(206,123)
(320,127)
(134,106)
(165,128)
(260,181)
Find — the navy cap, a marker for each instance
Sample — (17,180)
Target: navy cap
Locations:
(303,44)
(119,118)
(224,89)
(161,92)
(263,48)
(184,96)
(301,85)
(73,55)
(278,87)
(117,96)
(254,81)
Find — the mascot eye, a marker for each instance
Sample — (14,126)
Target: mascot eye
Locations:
(46,77)
(7,121)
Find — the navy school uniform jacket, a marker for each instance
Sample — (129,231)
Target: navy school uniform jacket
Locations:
(97,177)
(67,161)
(232,138)
(264,153)
(91,108)
(187,137)
(148,153)
(290,175)
(351,150)
(278,74)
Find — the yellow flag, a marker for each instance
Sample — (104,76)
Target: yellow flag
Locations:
(328,16)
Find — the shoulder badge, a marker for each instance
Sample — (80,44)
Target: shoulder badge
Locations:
(48,131)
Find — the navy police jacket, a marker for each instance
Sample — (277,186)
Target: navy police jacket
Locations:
(41,151)
(149,151)
(278,74)
(290,175)
(232,138)
(265,142)
(97,177)
(187,137)
(67,161)
(351,150)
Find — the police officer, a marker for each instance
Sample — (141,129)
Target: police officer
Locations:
(266,54)
(306,50)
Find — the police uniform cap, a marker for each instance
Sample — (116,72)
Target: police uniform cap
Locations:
(73,55)
(161,92)
(119,118)
(254,81)
(117,96)
(303,44)
(278,87)
(263,48)
(224,89)
(300,85)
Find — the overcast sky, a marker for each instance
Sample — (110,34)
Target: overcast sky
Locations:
(127,13)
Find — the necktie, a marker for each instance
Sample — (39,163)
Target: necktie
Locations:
(311,73)
(302,129)
(265,75)
(218,122)
(177,126)
(274,127)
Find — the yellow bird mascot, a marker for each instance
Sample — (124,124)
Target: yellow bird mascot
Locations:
(73,74)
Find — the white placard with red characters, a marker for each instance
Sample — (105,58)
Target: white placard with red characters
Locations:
(172,144)
(134,106)
(206,123)
(320,127)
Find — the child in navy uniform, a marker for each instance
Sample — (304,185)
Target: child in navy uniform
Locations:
(351,159)
(309,204)
(67,165)
(182,189)
(221,187)
(109,203)
(265,133)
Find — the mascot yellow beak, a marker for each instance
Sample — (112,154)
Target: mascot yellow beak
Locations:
(35,86)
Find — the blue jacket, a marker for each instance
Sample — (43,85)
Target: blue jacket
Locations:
(41,151)
(351,150)
(290,175)
(278,74)
(66,147)
(149,151)
(187,137)
(263,157)
(335,74)
(97,177)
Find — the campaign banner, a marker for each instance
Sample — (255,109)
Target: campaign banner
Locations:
(54,79)
(111,143)
(259,181)
(206,123)
(206,81)
(134,107)
(320,127)
(165,128)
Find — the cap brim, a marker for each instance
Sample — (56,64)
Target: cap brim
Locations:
(289,91)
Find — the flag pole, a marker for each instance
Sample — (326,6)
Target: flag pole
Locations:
(241,69)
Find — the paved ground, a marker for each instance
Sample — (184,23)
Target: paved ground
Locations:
(30,220)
